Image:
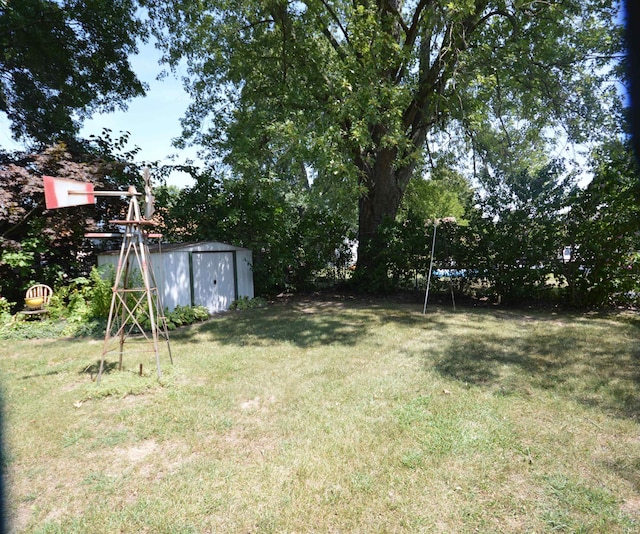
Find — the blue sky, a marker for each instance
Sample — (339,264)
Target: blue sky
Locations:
(153,121)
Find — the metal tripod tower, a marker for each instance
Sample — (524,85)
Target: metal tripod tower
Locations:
(136,310)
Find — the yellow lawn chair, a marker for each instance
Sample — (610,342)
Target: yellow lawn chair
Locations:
(37,299)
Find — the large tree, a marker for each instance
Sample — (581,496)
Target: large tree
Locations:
(61,60)
(351,92)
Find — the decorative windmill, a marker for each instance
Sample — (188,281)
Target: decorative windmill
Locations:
(136,310)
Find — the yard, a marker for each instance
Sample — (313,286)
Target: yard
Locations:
(333,415)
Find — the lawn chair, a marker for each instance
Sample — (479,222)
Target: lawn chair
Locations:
(36,299)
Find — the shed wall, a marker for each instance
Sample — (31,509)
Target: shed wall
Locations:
(206,274)
(244,267)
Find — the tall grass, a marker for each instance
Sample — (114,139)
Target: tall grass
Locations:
(334,416)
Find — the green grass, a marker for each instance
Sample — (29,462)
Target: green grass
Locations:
(333,416)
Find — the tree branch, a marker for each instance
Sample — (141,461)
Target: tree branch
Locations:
(393,9)
(336,19)
(412,31)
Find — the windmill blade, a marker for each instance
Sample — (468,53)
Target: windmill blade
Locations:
(61,192)
(149,199)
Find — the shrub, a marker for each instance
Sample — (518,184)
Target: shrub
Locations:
(185,315)
(180,316)
(245,303)
(100,290)
(5,310)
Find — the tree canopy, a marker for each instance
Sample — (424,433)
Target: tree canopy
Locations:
(354,91)
(62,60)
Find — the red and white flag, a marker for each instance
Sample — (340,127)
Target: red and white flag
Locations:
(61,192)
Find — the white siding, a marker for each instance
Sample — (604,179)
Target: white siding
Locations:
(244,268)
(172,275)
(205,271)
(213,280)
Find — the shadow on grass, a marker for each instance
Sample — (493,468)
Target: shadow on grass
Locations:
(302,324)
(38,375)
(595,371)
(628,468)
(94,368)
(578,355)
(478,361)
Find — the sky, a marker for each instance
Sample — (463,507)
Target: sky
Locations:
(152,121)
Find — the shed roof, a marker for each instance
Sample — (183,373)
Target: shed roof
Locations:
(199,246)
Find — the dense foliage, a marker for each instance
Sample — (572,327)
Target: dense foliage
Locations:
(294,240)
(48,246)
(517,231)
(352,93)
(332,123)
(603,230)
(61,60)
(537,236)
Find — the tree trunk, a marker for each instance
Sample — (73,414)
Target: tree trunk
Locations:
(385,186)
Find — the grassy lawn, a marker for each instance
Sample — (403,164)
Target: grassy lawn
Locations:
(334,416)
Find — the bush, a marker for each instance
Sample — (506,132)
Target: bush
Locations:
(100,290)
(185,315)
(5,310)
(84,298)
(245,303)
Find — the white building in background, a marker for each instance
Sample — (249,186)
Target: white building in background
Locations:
(209,274)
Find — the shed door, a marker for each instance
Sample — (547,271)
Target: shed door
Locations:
(213,281)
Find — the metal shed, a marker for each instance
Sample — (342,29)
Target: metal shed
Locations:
(209,273)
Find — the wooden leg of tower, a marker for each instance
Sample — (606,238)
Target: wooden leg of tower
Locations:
(114,296)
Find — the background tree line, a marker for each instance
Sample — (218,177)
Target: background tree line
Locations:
(329,124)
